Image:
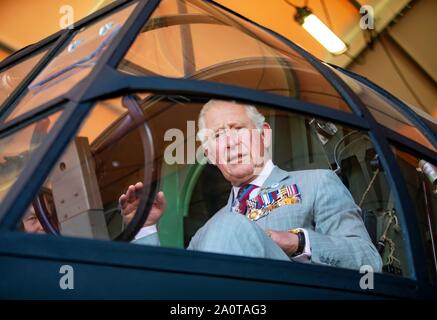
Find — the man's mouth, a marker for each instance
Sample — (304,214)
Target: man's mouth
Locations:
(237,159)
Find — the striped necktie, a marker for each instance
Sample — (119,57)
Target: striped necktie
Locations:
(243,196)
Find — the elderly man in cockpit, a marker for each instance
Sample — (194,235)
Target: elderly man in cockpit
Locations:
(307,216)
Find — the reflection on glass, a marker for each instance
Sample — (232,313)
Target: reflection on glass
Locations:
(11,77)
(41,209)
(384,112)
(104,159)
(330,182)
(74,63)
(16,150)
(192,39)
(421,181)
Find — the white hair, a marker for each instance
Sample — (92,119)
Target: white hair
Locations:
(254,115)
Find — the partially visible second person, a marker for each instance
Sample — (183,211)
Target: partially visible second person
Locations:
(30,222)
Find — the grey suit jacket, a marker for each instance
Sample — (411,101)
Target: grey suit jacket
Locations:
(327,212)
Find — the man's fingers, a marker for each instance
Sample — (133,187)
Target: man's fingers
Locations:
(160,200)
(131,193)
(139,189)
(160,197)
(122,200)
(272,234)
(275,237)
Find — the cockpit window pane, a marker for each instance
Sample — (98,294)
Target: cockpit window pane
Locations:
(421,179)
(73,63)
(384,112)
(194,40)
(16,150)
(11,77)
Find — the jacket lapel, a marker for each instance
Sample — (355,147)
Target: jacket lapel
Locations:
(274,179)
(230,200)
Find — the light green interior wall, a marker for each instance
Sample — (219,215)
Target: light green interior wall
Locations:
(178,182)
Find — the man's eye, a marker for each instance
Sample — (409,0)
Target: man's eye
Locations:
(219,133)
(241,130)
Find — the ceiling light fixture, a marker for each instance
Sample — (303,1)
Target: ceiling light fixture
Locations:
(318,30)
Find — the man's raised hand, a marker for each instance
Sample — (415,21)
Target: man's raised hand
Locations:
(130,200)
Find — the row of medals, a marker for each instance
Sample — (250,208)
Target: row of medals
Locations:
(256,213)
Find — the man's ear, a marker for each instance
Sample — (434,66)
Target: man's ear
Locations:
(206,154)
(266,135)
(210,157)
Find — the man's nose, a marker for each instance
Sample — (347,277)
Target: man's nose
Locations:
(231,138)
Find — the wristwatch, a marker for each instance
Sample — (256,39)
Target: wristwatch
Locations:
(301,241)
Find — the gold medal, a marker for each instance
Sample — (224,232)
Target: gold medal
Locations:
(295,199)
(255,214)
(288,201)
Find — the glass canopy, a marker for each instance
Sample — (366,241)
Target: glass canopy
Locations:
(135,68)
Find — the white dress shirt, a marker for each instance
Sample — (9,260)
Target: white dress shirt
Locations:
(145,231)
(258,181)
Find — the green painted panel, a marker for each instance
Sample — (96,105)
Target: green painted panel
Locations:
(178,183)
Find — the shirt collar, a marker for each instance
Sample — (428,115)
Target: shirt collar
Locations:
(260,179)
